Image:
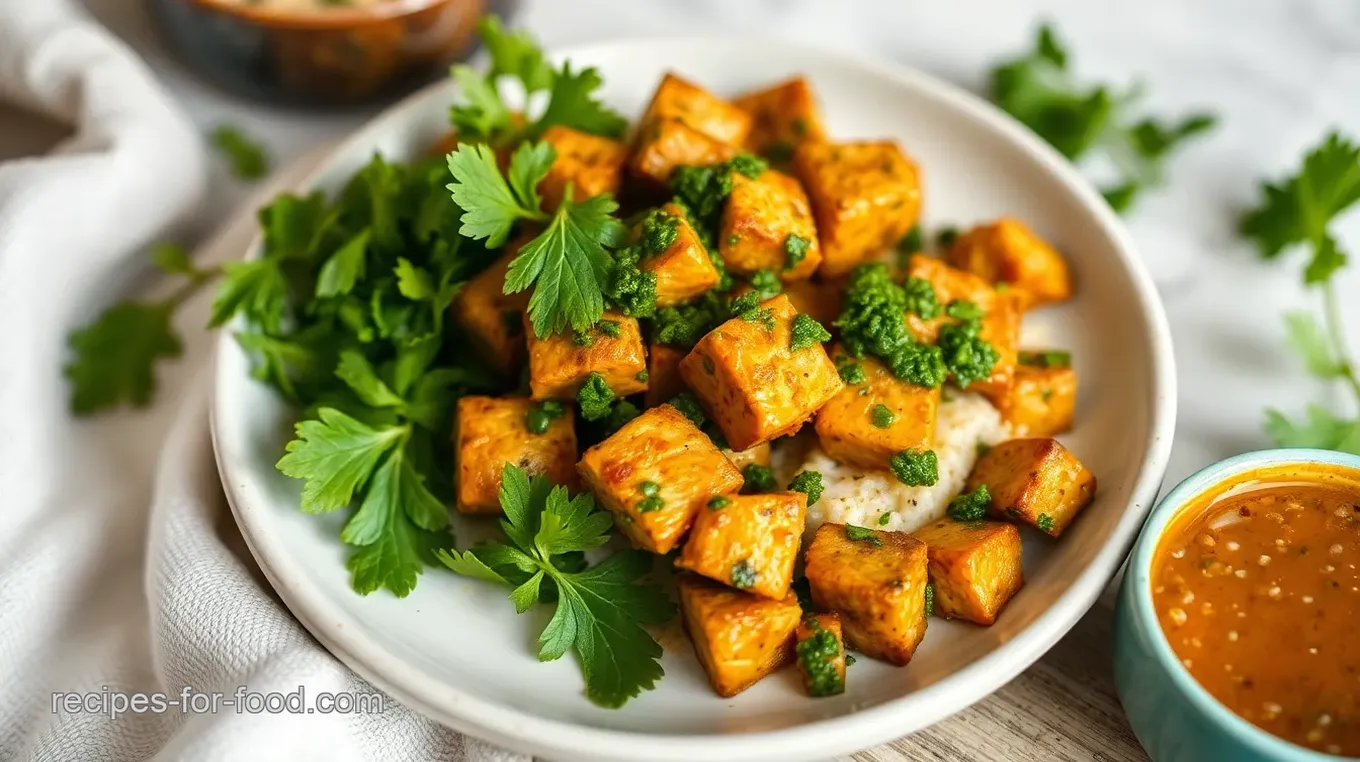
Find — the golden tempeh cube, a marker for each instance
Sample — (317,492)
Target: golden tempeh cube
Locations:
(974,566)
(782,117)
(589,163)
(748,542)
(759,219)
(820,652)
(682,100)
(1041,401)
(1007,251)
(490,432)
(492,318)
(683,270)
(753,385)
(559,365)
(817,299)
(877,584)
(1000,320)
(738,637)
(669,143)
(865,195)
(663,374)
(847,426)
(655,474)
(1036,481)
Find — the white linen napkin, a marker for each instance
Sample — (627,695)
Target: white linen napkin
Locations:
(121,570)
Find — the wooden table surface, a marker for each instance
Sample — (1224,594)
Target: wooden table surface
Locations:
(1062,709)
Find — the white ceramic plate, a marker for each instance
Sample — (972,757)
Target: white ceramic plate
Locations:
(456,651)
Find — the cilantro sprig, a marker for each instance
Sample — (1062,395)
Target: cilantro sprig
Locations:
(1297,212)
(600,610)
(1038,89)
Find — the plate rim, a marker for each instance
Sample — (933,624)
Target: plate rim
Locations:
(858,729)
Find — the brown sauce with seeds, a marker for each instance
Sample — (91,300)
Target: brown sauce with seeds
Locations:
(1257,590)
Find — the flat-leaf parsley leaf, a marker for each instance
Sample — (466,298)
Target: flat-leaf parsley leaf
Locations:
(1300,210)
(860,534)
(568,263)
(1038,89)
(249,161)
(600,610)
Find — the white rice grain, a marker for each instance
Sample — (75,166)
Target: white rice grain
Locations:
(856,496)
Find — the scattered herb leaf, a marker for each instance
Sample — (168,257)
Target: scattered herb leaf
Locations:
(600,610)
(860,534)
(809,483)
(1038,89)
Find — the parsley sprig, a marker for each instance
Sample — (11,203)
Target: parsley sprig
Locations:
(338,457)
(1038,89)
(343,313)
(600,610)
(568,264)
(344,310)
(484,116)
(115,357)
(1298,211)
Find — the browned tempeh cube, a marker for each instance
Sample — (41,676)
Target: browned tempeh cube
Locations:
(853,428)
(974,566)
(738,637)
(655,474)
(492,318)
(679,99)
(783,116)
(490,432)
(1007,251)
(1036,481)
(560,364)
(1000,320)
(866,196)
(876,581)
(1042,400)
(748,542)
(751,381)
(767,225)
(591,164)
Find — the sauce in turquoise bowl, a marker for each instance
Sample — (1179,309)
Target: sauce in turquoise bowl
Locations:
(1255,619)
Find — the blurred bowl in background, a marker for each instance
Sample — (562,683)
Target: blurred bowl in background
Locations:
(319,52)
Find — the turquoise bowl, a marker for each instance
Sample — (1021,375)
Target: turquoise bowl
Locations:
(1174,718)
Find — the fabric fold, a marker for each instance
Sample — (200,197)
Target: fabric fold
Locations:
(121,568)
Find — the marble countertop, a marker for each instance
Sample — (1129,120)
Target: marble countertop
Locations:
(1279,76)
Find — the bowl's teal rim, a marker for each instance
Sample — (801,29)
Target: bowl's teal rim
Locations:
(1141,568)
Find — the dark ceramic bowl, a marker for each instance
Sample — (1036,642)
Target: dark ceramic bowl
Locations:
(327,56)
